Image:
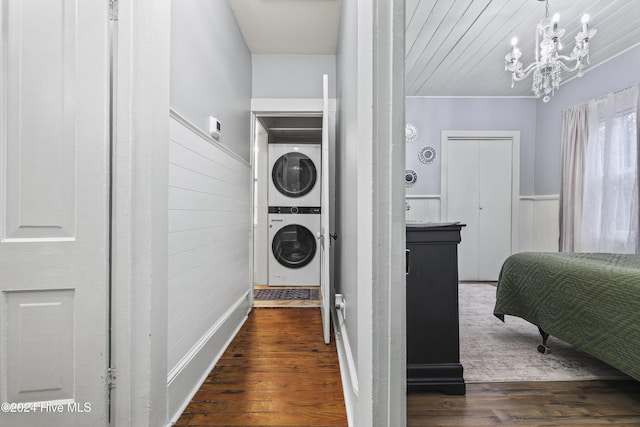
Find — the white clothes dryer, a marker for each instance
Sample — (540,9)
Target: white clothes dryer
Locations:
(294,250)
(295,175)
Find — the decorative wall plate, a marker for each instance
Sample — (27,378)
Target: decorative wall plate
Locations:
(410,177)
(410,132)
(427,154)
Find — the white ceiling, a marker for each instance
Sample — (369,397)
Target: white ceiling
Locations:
(457,47)
(453,47)
(300,27)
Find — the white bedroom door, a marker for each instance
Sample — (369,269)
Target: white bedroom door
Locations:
(479,194)
(325,237)
(54,212)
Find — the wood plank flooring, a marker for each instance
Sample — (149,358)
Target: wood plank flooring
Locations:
(583,403)
(276,372)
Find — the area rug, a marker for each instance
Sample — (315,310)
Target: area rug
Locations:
(286,294)
(493,351)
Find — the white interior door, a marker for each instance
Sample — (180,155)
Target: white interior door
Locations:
(463,191)
(54,212)
(494,231)
(325,238)
(479,194)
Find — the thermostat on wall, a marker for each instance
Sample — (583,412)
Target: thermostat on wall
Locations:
(214,127)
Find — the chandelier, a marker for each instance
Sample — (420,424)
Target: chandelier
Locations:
(549,63)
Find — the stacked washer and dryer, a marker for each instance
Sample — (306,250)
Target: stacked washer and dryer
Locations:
(294,214)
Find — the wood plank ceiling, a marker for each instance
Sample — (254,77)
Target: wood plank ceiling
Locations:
(457,47)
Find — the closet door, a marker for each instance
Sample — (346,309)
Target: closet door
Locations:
(494,208)
(463,200)
(479,195)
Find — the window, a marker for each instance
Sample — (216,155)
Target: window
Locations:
(610,195)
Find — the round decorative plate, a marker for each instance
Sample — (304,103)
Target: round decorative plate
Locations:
(410,177)
(427,154)
(410,132)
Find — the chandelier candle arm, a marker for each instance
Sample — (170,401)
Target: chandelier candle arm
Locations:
(549,64)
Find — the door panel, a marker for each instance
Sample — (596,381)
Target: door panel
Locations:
(462,201)
(325,238)
(479,195)
(54,159)
(495,207)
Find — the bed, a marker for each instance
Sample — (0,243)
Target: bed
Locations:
(589,300)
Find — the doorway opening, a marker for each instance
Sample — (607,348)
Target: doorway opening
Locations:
(287,178)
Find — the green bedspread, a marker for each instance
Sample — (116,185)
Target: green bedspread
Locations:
(589,300)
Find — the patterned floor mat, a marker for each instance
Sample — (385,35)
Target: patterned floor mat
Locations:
(286,294)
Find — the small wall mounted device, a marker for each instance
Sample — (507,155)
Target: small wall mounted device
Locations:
(214,127)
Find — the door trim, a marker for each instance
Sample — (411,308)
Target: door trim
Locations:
(140,214)
(514,136)
(277,107)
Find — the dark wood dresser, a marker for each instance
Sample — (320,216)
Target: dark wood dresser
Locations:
(433,346)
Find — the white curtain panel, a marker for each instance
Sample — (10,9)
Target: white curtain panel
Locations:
(610,185)
(575,130)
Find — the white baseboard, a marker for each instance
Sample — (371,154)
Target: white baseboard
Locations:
(187,376)
(348,370)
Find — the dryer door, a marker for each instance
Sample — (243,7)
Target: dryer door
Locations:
(294,174)
(294,246)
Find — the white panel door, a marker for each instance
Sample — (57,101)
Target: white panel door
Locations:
(325,237)
(463,201)
(479,195)
(54,182)
(494,208)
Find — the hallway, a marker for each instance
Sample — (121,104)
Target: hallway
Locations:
(277,371)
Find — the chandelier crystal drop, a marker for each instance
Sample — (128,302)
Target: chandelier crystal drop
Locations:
(549,63)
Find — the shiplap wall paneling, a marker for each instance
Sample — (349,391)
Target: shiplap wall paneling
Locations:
(209,245)
(546,223)
(423,208)
(525,228)
(539,223)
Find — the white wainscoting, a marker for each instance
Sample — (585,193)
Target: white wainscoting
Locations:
(423,208)
(539,223)
(209,255)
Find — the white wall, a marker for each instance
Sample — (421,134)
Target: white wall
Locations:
(292,76)
(211,70)
(346,246)
(210,191)
(369,249)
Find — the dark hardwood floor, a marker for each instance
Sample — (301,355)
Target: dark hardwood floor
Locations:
(583,403)
(276,372)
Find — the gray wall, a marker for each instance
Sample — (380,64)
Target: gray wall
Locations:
(433,115)
(346,170)
(616,74)
(292,76)
(211,70)
(209,191)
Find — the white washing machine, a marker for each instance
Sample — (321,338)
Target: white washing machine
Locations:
(294,171)
(294,251)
